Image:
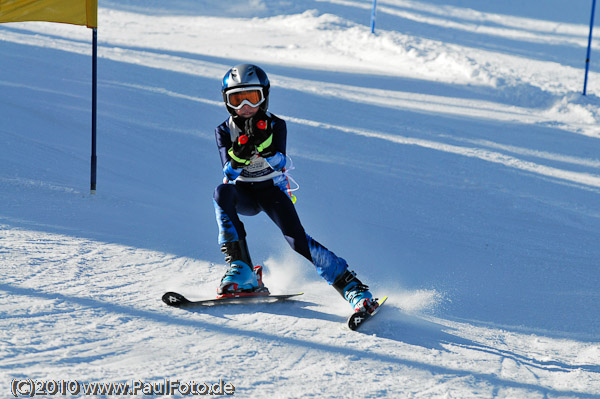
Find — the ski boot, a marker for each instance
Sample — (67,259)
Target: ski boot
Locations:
(355,292)
(241,279)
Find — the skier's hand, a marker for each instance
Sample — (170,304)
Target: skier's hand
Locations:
(230,172)
(260,131)
(241,151)
(277,161)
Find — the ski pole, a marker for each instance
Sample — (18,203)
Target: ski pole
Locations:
(587,58)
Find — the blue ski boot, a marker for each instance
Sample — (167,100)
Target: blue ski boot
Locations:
(241,279)
(355,292)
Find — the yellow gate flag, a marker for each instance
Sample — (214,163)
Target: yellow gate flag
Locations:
(77,12)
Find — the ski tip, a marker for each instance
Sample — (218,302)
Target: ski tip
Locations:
(357,319)
(174,299)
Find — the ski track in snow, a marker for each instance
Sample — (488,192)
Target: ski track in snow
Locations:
(77,314)
(80,292)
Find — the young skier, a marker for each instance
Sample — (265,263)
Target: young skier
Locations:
(252,146)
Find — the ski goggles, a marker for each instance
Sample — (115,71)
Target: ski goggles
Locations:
(252,96)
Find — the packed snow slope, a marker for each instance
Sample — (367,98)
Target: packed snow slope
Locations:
(450,158)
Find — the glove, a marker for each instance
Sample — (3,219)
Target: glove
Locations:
(241,151)
(260,132)
(277,161)
(230,173)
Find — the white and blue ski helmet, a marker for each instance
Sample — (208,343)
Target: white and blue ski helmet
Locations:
(245,76)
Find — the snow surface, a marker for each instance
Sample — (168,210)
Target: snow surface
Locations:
(450,158)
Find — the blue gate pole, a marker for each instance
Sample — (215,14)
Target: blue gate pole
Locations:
(589,49)
(94,107)
(373,16)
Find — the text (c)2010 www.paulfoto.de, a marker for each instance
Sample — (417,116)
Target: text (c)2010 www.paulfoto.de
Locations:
(30,387)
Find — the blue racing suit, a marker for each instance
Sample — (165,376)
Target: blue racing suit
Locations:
(262,186)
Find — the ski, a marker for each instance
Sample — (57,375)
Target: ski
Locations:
(179,301)
(357,319)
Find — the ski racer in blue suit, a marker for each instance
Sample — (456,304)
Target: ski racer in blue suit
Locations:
(252,146)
